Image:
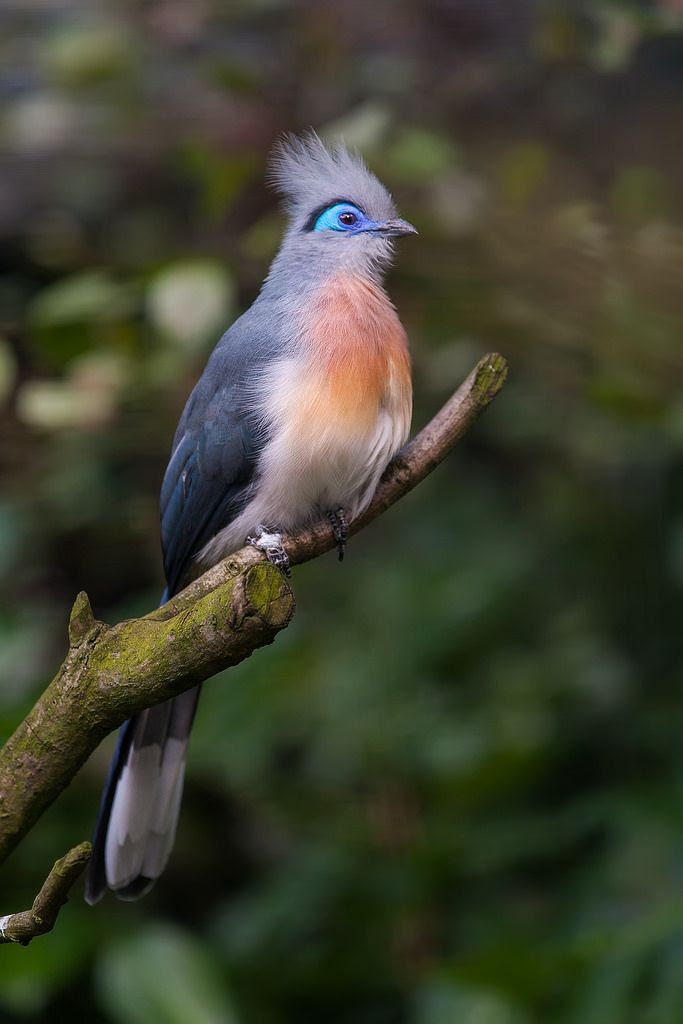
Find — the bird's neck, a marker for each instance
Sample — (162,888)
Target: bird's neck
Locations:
(294,273)
(351,298)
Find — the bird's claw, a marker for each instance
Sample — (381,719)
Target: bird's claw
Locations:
(340,529)
(273,548)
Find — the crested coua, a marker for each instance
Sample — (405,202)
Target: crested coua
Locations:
(301,406)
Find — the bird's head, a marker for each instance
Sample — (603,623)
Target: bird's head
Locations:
(341,217)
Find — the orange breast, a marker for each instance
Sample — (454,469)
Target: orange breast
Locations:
(359,353)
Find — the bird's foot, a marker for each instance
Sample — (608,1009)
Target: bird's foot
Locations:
(273,548)
(340,529)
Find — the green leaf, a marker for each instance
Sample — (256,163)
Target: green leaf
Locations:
(419,155)
(191,302)
(441,1002)
(164,976)
(87,296)
(91,53)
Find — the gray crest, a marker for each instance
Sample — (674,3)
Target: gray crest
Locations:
(309,175)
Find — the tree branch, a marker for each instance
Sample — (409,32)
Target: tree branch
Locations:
(111,672)
(54,893)
(418,458)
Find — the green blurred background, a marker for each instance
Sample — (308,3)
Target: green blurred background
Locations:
(452,791)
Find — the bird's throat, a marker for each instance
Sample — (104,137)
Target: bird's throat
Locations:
(356,347)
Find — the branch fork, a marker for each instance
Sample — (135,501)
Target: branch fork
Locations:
(218,620)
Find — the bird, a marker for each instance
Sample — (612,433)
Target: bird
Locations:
(301,406)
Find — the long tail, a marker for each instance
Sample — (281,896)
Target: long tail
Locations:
(140,804)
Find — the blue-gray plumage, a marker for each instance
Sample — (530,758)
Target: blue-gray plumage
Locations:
(299,409)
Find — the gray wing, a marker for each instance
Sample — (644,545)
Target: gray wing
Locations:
(207,482)
(215,451)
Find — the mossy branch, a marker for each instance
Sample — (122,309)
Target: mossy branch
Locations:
(239,605)
(54,892)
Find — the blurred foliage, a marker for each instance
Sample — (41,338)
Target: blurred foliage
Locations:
(453,789)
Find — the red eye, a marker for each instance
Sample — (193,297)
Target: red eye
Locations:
(348,219)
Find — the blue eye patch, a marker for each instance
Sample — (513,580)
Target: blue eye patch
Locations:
(340,216)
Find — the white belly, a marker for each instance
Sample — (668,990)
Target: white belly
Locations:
(327,450)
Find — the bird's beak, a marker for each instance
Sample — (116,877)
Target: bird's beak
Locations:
(395,228)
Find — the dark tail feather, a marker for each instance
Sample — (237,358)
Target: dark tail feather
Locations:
(140,804)
(96,881)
